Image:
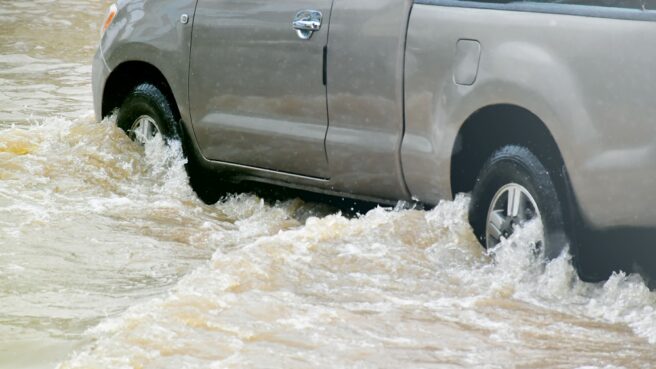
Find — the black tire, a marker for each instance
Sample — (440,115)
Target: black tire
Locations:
(147,100)
(518,165)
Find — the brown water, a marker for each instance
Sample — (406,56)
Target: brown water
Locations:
(107,260)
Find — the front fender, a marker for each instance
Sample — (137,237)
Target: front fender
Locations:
(152,32)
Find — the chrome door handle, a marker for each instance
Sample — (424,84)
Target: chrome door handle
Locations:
(306,23)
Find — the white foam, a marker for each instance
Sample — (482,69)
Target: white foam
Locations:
(396,279)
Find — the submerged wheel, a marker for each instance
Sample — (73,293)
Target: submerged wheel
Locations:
(513,188)
(511,206)
(144,129)
(145,112)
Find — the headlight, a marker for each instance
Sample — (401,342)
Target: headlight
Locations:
(111,14)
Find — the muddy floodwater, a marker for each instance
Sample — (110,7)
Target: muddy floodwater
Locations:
(108,260)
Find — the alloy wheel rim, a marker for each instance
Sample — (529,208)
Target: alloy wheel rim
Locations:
(512,206)
(144,129)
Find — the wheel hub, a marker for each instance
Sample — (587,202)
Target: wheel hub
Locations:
(512,206)
(144,129)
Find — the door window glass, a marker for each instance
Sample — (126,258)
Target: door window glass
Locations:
(627,4)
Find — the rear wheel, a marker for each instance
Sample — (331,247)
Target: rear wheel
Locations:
(513,188)
(146,112)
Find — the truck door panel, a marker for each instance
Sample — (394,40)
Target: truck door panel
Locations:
(365,96)
(257,93)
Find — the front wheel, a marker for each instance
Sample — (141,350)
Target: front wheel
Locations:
(513,188)
(146,112)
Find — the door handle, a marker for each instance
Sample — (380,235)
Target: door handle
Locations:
(306,23)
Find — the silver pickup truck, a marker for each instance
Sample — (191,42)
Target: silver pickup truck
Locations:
(542,110)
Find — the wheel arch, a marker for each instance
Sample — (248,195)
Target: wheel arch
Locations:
(128,75)
(495,126)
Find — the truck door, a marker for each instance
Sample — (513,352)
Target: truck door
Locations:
(365,96)
(257,91)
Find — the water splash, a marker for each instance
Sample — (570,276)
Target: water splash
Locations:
(388,289)
(253,284)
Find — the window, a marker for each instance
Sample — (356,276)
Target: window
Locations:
(626,4)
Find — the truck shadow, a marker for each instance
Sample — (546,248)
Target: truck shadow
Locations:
(325,204)
(630,250)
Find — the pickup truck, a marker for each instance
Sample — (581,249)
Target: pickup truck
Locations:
(542,110)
